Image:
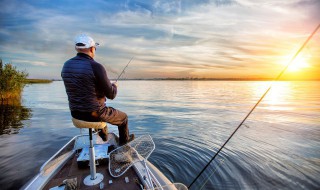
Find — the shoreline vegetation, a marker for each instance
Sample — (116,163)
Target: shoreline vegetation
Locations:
(12,112)
(12,82)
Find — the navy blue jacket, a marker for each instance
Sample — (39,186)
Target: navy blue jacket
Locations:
(87,85)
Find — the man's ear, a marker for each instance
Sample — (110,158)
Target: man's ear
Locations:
(91,49)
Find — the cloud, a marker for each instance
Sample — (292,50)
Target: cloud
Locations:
(182,37)
(35,63)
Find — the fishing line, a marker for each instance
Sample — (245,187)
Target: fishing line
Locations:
(213,171)
(124,69)
(276,79)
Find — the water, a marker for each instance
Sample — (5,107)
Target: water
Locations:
(277,148)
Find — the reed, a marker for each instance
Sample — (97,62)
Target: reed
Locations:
(12,82)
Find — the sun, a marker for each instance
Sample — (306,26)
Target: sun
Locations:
(298,64)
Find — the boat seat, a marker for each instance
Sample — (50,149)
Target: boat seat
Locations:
(87,124)
(94,178)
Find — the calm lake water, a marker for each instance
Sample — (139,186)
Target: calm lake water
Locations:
(277,148)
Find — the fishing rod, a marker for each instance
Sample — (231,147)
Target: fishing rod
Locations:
(124,69)
(276,79)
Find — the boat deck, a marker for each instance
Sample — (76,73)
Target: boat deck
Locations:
(70,170)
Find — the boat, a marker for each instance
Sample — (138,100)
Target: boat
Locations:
(116,167)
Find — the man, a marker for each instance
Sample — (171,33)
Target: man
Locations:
(88,87)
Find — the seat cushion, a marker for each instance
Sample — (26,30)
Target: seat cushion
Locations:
(87,124)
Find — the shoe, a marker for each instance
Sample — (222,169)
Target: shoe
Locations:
(131,138)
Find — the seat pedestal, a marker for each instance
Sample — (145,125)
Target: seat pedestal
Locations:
(94,178)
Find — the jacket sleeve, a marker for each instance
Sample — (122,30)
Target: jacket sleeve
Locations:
(103,83)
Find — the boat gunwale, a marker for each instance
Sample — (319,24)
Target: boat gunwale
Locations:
(46,164)
(42,168)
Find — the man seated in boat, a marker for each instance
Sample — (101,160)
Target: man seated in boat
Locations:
(88,87)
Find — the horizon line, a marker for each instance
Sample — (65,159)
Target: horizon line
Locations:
(205,79)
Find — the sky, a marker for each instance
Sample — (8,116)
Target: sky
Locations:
(168,38)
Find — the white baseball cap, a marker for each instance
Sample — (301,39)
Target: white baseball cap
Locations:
(84,41)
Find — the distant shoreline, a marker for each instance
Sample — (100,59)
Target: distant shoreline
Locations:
(207,79)
(36,81)
(197,79)
(221,79)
